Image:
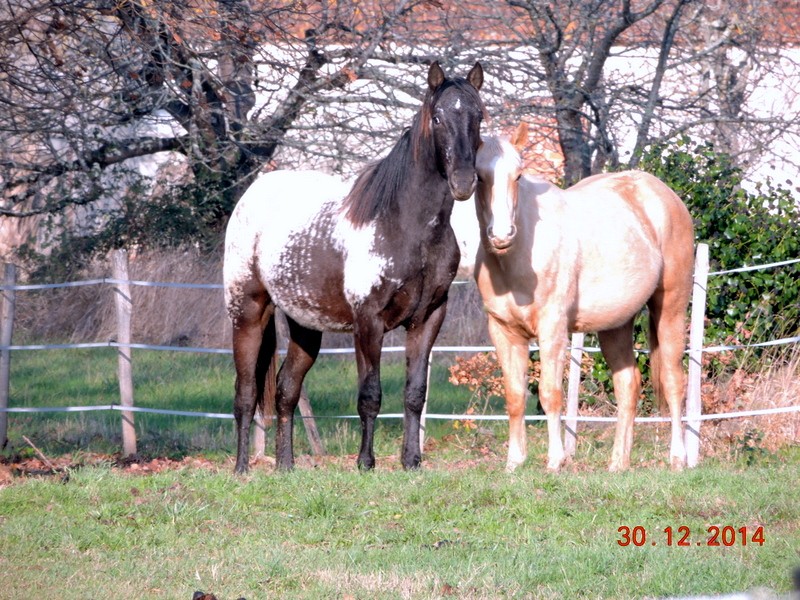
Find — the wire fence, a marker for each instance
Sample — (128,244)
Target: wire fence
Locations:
(8,288)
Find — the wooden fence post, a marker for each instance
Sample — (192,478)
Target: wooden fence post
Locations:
(124,305)
(310,424)
(9,299)
(571,423)
(693,400)
(423,417)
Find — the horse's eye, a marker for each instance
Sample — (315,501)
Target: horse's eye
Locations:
(437,120)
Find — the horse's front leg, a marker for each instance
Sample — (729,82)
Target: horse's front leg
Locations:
(512,354)
(419,342)
(303,349)
(368,340)
(617,347)
(552,349)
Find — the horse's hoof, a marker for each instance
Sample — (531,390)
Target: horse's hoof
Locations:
(565,461)
(413,463)
(512,465)
(365,464)
(677,463)
(284,464)
(554,464)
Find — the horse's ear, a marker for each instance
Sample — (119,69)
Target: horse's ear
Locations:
(475,76)
(435,76)
(519,139)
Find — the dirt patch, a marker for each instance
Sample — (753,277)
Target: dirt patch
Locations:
(20,468)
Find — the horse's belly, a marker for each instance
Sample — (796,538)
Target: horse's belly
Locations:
(311,314)
(321,273)
(613,302)
(306,283)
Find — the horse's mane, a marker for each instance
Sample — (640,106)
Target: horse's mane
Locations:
(494,145)
(378,184)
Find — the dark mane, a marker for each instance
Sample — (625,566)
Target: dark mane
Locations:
(378,184)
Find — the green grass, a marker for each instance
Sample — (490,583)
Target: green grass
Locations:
(336,533)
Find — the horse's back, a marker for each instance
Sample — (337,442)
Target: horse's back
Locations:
(635,236)
(640,195)
(283,199)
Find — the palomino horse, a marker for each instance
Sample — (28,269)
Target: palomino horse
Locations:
(587,258)
(367,260)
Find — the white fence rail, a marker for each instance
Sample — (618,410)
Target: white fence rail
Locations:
(122,284)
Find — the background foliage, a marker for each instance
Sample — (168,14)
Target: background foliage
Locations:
(741,228)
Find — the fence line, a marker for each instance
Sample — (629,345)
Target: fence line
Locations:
(218,286)
(756,267)
(121,281)
(759,412)
(387,349)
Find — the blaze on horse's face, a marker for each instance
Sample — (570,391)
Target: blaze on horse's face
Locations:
(499,169)
(455,120)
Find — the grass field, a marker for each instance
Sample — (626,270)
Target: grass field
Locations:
(461,527)
(442,532)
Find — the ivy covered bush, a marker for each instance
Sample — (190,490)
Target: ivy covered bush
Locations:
(741,228)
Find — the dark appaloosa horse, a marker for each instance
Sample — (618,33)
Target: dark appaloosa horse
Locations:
(367,260)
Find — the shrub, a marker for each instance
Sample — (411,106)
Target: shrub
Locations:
(740,228)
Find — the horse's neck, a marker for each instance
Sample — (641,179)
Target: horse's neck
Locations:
(424,199)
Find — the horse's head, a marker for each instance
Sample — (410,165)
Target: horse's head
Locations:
(499,168)
(452,115)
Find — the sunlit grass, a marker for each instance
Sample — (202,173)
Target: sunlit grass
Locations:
(333,532)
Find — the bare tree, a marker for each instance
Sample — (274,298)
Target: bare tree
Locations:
(95,94)
(88,85)
(603,79)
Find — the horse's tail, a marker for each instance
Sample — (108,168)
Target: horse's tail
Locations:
(267,371)
(656,364)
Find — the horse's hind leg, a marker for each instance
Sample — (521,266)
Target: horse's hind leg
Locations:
(419,342)
(617,347)
(512,354)
(252,353)
(667,344)
(303,349)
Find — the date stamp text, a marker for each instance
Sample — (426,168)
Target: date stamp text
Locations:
(683,536)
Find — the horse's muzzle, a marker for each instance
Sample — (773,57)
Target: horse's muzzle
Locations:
(462,186)
(501,243)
